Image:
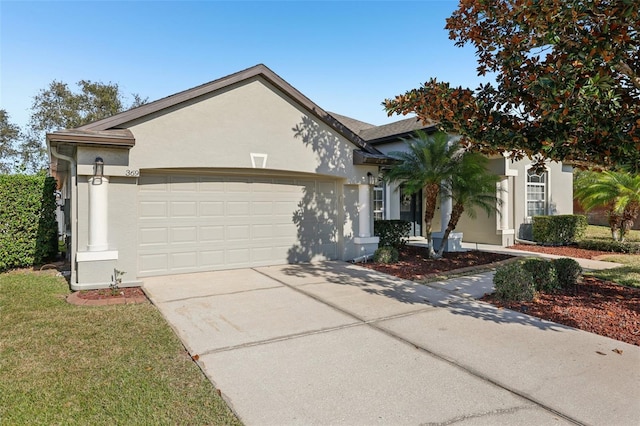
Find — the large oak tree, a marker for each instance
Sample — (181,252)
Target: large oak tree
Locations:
(567,81)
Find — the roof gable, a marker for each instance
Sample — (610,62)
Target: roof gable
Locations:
(120,120)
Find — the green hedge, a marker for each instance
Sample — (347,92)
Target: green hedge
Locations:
(562,229)
(630,247)
(28,228)
(392,233)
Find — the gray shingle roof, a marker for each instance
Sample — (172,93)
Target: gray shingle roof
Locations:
(373,134)
(356,126)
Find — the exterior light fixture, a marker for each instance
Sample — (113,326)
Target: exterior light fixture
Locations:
(371,179)
(98,170)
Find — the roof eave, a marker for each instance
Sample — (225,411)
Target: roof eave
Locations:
(362,158)
(121,138)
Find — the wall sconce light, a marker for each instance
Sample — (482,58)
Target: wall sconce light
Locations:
(371,179)
(98,171)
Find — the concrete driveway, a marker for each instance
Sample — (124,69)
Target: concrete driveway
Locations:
(334,343)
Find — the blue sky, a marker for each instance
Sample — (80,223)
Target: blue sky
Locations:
(347,57)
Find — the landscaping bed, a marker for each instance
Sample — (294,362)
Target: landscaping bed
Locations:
(595,305)
(414,264)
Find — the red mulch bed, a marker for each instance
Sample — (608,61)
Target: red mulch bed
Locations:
(414,264)
(567,251)
(594,305)
(106,293)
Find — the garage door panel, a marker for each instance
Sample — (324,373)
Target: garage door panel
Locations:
(153,263)
(238,257)
(153,183)
(184,184)
(184,209)
(211,184)
(153,236)
(234,208)
(183,261)
(198,223)
(238,233)
(211,209)
(211,233)
(211,258)
(153,209)
(184,235)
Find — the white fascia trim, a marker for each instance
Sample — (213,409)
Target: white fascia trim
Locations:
(92,256)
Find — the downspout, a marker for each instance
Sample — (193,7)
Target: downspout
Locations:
(74,206)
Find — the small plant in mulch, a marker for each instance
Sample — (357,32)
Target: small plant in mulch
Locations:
(116,281)
(386,255)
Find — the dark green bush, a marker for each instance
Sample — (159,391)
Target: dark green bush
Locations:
(392,233)
(561,229)
(630,247)
(386,255)
(513,283)
(28,228)
(568,270)
(545,277)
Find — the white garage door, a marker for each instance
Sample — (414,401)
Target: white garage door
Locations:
(201,223)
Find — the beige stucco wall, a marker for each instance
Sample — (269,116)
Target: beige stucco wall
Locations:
(227,127)
(560,191)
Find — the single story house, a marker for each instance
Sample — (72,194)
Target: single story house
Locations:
(244,171)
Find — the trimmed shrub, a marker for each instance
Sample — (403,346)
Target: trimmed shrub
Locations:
(629,247)
(545,277)
(562,229)
(568,270)
(386,255)
(513,283)
(28,227)
(392,233)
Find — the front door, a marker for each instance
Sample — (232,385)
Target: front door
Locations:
(411,211)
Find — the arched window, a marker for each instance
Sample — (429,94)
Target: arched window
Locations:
(536,193)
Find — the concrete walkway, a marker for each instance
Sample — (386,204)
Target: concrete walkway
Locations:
(334,343)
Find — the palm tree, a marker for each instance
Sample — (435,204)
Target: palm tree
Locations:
(428,163)
(472,186)
(618,191)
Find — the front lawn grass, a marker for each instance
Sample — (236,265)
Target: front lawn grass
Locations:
(597,232)
(119,364)
(628,275)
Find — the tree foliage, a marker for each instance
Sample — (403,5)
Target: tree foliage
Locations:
(471,187)
(567,81)
(619,192)
(58,107)
(9,137)
(428,163)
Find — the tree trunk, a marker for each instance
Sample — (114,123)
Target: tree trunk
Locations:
(614,224)
(628,218)
(456,214)
(431,196)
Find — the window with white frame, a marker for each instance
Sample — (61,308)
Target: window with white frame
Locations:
(378,203)
(536,193)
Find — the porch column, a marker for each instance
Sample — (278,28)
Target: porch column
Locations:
(364,213)
(503,208)
(98,213)
(446,206)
